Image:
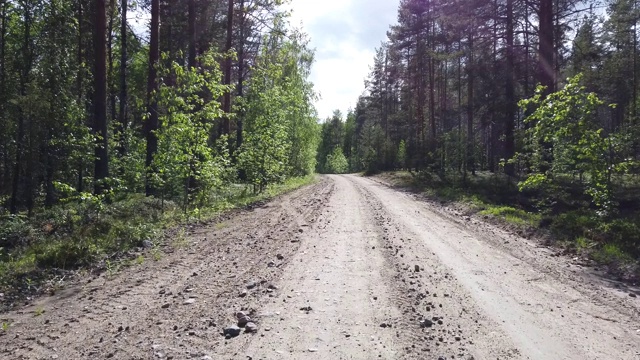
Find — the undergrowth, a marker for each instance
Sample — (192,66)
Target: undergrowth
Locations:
(80,235)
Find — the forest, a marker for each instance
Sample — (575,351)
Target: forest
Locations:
(527,110)
(112,131)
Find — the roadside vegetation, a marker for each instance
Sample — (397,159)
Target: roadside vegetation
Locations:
(107,141)
(92,235)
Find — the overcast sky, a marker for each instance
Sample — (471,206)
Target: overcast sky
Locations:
(344,34)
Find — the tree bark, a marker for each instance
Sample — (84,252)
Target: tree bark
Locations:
(152,87)
(509,145)
(24,80)
(192,34)
(226,107)
(122,113)
(110,83)
(4,183)
(470,112)
(240,90)
(100,97)
(546,68)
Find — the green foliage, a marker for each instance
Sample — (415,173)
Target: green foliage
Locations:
(186,166)
(401,156)
(372,145)
(610,254)
(565,139)
(266,148)
(336,162)
(332,137)
(281,137)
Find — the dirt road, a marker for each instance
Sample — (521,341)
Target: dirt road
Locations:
(347,268)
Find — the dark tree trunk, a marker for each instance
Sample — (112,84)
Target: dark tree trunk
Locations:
(546,67)
(100,96)
(122,115)
(20,138)
(152,87)
(110,83)
(79,85)
(509,144)
(240,90)
(470,112)
(192,34)
(226,107)
(6,173)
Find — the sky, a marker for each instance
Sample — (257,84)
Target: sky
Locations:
(345,34)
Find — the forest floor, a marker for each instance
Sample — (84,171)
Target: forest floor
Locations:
(347,268)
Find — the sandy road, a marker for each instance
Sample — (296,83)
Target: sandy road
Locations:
(345,269)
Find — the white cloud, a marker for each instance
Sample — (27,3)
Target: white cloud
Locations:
(345,34)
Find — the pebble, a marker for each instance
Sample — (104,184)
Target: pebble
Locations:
(232,331)
(280,257)
(147,244)
(243,293)
(251,327)
(426,323)
(243,318)
(312,349)
(165,306)
(632,295)
(189,301)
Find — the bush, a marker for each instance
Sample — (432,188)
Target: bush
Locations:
(336,162)
(14,231)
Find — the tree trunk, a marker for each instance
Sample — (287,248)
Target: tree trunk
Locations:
(509,145)
(6,173)
(20,138)
(240,90)
(192,34)
(470,82)
(152,87)
(122,114)
(546,48)
(111,83)
(100,96)
(226,107)
(80,87)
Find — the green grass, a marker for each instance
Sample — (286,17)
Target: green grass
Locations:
(611,254)
(77,235)
(512,215)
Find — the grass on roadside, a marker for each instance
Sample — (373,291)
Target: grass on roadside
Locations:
(77,235)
